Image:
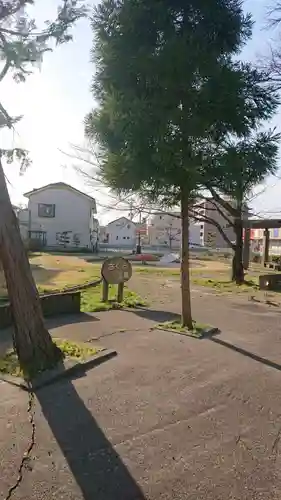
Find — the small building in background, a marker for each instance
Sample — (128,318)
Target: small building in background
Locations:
(119,233)
(210,235)
(164,230)
(60,216)
(23,220)
(256,237)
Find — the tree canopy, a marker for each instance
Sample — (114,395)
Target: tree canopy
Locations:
(174,104)
(21,45)
(168,90)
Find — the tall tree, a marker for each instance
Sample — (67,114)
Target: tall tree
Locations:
(21,45)
(272,63)
(169,94)
(236,170)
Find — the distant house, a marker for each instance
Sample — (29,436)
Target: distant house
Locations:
(59,215)
(164,230)
(120,232)
(23,220)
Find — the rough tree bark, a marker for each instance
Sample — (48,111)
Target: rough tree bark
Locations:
(185,281)
(32,341)
(237,261)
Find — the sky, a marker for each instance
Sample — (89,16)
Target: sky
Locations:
(56,98)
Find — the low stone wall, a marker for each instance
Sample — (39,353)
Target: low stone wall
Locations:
(52,305)
(270,282)
(61,303)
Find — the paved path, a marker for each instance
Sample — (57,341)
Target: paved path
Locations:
(169,418)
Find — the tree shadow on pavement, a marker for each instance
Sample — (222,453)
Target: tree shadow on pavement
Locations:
(248,354)
(155,315)
(95,465)
(69,319)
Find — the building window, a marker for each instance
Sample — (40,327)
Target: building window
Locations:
(124,237)
(46,210)
(128,226)
(117,237)
(201,234)
(160,217)
(128,237)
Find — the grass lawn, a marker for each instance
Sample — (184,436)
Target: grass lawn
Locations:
(56,272)
(91,299)
(198,330)
(216,276)
(9,364)
(224,285)
(59,271)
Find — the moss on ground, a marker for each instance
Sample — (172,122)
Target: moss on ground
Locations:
(9,364)
(91,300)
(197,331)
(224,285)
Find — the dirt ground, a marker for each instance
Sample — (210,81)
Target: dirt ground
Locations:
(57,271)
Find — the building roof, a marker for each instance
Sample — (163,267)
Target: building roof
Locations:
(121,218)
(58,185)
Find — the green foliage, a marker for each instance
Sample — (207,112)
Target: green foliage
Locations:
(198,329)
(239,166)
(9,363)
(91,300)
(169,92)
(18,154)
(23,45)
(76,350)
(175,108)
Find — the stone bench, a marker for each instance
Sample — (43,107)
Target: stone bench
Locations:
(270,282)
(52,305)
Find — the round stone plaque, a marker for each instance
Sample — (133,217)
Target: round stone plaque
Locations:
(116,270)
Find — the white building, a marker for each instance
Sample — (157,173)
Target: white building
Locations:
(119,233)
(23,220)
(61,216)
(164,229)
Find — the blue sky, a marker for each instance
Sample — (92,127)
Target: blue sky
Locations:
(55,99)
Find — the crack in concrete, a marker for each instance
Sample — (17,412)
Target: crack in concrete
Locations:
(243,444)
(116,332)
(27,453)
(275,445)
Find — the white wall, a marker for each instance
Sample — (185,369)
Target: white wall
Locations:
(23,219)
(95,230)
(121,232)
(73,213)
(165,230)
(194,233)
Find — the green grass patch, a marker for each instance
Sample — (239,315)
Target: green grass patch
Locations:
(9,364)
(197,331)
(156,271)
(224,285)
(91,300)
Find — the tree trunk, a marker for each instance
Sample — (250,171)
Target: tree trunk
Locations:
(32,341)
(237,261)
(185,283)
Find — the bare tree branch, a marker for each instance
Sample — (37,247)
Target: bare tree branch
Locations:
(213,222)
(222,202)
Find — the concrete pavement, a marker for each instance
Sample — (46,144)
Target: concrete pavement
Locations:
(169,418)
